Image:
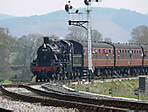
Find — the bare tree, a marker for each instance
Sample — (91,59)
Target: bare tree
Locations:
(107,39)
(96,35)
(78,33)
(140,34)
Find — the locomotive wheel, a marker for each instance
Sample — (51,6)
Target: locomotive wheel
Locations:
(125,72)
(36,79)
(146,71)
(54,76)
(58,77)
(44,80)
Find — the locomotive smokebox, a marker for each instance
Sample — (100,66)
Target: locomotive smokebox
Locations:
(46,40)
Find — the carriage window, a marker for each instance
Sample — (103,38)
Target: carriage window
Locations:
(94,52)
(109,54)
(128,54)
(122,54)
(125,54)
(140,54)
(109,51)
(105,54)
(145,54)
(85,52)
(135,54)
(122,51)
(99,53)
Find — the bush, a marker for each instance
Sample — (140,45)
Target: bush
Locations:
(2,81)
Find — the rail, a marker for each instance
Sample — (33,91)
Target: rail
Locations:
(5,110)
(85,107)
(118,103)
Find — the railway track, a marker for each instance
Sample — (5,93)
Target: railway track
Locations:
(56,100)
(106,101)
(5,110)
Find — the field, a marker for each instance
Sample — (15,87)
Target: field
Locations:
(123,88)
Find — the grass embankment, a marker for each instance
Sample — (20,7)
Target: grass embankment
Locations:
(3,81)
(124,88)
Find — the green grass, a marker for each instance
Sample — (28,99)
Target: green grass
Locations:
(124,88)
(5,82)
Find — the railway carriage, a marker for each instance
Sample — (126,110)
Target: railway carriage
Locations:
(115,59)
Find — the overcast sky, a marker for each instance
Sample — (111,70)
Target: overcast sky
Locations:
(38,7)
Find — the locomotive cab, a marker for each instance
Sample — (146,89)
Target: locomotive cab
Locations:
(77,59)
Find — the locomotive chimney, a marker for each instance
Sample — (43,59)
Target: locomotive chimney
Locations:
(46,40)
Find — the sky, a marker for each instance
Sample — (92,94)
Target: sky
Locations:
(39,7)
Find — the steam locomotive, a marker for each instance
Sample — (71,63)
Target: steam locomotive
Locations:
(55,60)
(68,59)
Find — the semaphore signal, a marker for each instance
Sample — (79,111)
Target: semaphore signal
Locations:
(81,23)
(69,7)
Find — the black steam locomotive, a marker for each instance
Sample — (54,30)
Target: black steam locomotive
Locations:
(55,60)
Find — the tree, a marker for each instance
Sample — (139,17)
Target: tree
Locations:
(53,37)
(107,39)
(6,47)
(140,34)
(26,46)
(96,36)
(78,33)
(26,50)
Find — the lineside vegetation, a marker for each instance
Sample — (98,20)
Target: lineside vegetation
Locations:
(123,88)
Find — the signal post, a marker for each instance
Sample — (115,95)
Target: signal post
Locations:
(81,23)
